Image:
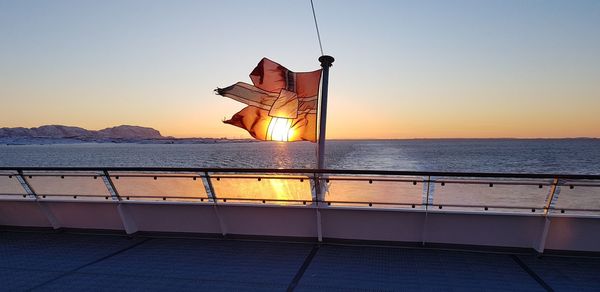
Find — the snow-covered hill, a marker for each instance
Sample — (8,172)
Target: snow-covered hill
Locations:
(66,132)
(58,134)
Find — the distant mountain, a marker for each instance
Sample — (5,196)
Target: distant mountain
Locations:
(58,134)
(62,132)
(130,132)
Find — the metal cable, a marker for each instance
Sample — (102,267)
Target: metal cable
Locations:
(316,26)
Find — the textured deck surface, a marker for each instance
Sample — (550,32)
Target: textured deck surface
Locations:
(65,261)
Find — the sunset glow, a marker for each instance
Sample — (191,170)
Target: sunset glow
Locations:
(280,129)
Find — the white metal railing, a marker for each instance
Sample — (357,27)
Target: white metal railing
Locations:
(543,194)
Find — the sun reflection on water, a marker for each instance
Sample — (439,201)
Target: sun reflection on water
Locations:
(273,189)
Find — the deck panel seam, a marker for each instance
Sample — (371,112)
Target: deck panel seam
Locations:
(531,273)
(303,268)
(67,273)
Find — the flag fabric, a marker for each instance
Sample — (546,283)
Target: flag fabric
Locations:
(281,104)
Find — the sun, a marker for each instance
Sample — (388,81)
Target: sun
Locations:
(280,129)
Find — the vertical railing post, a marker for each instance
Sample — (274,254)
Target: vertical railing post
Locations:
(427,200)
(552,195)
(126,218)
(551,200)
(317,199)
(42,205)
(314,188)
(110,186)
(25,184)
(210,191)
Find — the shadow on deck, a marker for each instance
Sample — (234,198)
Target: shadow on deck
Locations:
(68,261)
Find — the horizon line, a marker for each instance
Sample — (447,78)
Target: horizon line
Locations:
(166,136)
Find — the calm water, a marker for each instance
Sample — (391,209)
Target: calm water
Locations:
(574,156)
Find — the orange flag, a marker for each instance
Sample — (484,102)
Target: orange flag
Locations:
(282,105)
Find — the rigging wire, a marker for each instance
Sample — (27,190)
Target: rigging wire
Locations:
(316,26)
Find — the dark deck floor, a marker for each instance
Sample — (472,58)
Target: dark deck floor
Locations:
(66,261)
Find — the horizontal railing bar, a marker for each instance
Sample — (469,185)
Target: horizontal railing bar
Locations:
(483,182)
(374,203)
(495,182)
(489,206)
(267,200)
(122,196)
(125,197)
(167,197)
(60,174)
(71,195)
(435,205)
(574,209)
(156,175)
(578,185)
(260,176)
(541,208)
(312,171)
(111,175)
(11,194)
(150,175)
(358,178)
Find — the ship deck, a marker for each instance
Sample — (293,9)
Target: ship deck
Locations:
(67,260)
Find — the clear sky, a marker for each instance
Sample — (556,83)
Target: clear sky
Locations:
(404,69)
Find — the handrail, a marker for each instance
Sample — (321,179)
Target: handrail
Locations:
(308,177)
(208,176)
(200,199)
(312,171)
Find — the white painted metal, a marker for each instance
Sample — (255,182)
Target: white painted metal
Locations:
(552,196)
(41,205)
(210,190)
(580,233)
(127,219)
(513,228)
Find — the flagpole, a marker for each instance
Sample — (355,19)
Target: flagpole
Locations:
(326,62)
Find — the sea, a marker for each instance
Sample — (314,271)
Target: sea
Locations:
(553,156)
